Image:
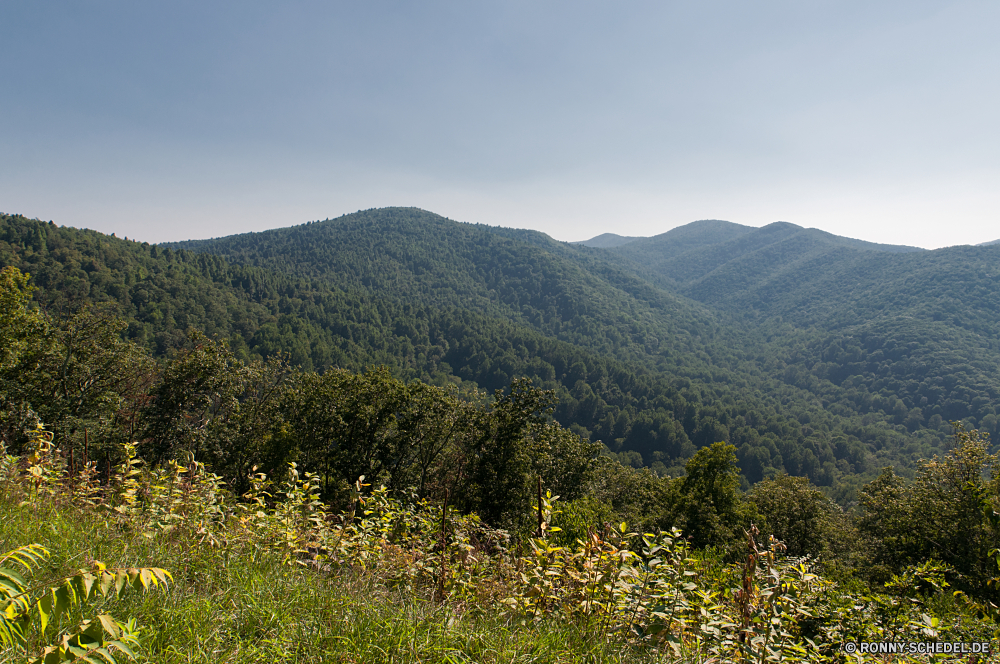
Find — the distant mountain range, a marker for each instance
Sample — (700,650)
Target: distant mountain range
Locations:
(714,231)
(814,354)
(607,240)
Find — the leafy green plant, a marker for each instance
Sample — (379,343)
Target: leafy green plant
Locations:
(33,611)
(638,593)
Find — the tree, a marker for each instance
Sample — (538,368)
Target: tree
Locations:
(636,496)
(21,331)
(709,506)
(500,461)
(345,425)
(75,373)
(947,513)
(439,425)
(563,460)
(801,516)
(86,378)
(223,410)
(20,327)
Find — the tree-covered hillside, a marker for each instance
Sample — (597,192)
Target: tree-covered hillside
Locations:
(589,297)
(695,257)
(162,291)
(634,359)
(606,240)
(911,334)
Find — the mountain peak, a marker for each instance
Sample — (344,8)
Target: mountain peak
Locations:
(607,240)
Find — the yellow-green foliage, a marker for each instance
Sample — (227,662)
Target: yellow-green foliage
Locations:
(32,612)
(20,324)
(648,593)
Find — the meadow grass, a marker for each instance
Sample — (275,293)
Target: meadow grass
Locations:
(236,605)
(277,577)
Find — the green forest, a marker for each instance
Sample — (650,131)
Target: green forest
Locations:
(486,416)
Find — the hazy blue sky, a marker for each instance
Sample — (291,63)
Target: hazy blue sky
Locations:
(175,120)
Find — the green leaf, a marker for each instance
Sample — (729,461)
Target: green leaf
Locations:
(11,633)
(107,578)
(45,608)
(119,645)
(77,651)
(85,584)
(111,626)
(9,589)
(65,598)
(13,577)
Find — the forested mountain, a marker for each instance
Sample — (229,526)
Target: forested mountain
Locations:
(724,349)
(606,240)
(713,331)
(909,332)
(695,257)
(718,356)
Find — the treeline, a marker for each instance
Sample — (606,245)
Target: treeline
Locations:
(486,454)
(96,392)
(657,415)
(653,376)
(873,328)
(578,295)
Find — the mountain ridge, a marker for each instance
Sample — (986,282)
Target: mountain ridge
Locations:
(607,240)
(766,359)
(773,259)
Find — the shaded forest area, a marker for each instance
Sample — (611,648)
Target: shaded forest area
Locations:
(127,371)
(106,399)
(648,371)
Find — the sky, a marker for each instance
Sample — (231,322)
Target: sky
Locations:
(184,120)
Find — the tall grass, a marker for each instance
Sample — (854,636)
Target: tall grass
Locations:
(273,576)
(234,608)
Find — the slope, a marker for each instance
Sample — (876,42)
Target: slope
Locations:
(662,417)
(581,296)
(653,374)
(913,335)
(607,240)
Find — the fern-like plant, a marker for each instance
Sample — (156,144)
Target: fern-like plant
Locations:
(27,608)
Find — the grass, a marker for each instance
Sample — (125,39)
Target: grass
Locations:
(234,606)
(243,590)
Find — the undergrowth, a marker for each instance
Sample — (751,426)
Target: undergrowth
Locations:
(274,576)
